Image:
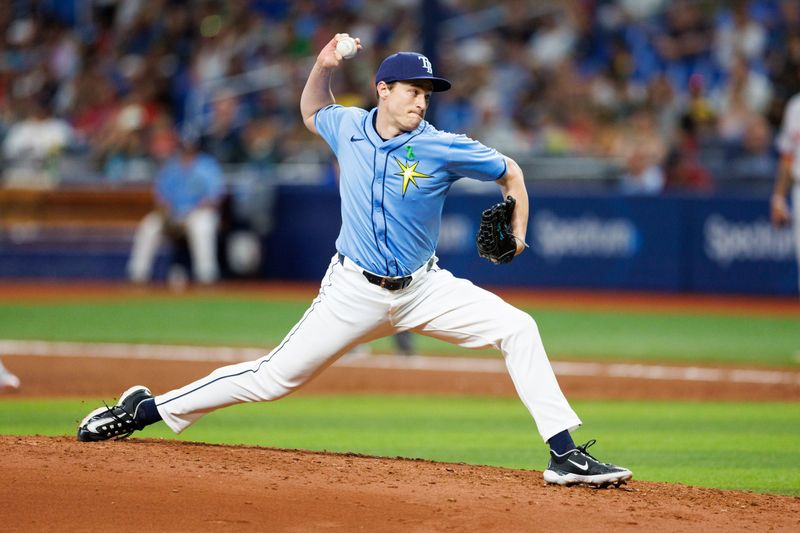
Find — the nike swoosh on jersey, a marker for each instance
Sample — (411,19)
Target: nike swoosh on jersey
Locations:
(353,138)
(584,466)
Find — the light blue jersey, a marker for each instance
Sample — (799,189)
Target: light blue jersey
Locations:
(393,191)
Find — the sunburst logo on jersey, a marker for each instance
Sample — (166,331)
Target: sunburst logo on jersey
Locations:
(409,174)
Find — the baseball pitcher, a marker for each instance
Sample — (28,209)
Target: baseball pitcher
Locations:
(396,170)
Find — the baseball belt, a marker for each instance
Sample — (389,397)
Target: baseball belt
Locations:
(390,284)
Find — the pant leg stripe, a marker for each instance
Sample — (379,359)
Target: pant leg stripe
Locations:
(317,300)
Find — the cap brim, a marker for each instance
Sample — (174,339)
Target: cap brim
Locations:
(439,84)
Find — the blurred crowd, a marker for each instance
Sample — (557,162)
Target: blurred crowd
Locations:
(682,94)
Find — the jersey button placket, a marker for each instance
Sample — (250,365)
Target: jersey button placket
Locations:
(378,218)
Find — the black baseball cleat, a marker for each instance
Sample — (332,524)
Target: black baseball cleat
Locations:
(118,421)
(578,466)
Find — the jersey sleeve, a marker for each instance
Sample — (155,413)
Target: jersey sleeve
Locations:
(327,121)
(789,135)
(470,158)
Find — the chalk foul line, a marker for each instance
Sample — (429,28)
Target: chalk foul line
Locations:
(223,354)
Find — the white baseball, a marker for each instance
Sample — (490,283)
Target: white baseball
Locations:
(346,46)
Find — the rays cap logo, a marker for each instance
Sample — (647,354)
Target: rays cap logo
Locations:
(408,66)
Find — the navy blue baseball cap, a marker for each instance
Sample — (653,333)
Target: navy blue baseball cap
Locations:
(408,66)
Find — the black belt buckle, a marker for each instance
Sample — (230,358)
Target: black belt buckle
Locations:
(390,284)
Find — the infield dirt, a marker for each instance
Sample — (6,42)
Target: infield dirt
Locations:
(58,484)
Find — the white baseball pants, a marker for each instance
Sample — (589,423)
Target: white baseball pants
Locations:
(350,311)
(201,233)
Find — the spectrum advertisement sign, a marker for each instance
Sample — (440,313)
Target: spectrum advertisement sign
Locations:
(684,244)
(586,242)
(734,248)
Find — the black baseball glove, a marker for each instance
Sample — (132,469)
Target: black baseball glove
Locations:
(495,240)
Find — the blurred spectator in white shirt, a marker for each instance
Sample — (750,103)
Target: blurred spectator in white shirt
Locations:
(746,92)
(553,41)
(32,146)
(745,83)
(739,35)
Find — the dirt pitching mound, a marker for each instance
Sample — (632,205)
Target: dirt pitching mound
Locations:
(56,483)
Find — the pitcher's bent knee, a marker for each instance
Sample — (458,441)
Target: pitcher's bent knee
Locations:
(518,324)
(524,323)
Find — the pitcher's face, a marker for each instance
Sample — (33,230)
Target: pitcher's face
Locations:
(405,102)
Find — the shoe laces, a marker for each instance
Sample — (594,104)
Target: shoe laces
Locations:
(582,448)
(119,420)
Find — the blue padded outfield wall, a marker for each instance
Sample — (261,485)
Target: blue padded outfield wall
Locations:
(686,244)
(683,244)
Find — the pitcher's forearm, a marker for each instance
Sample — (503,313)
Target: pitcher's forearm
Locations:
(316,94)
(513,184)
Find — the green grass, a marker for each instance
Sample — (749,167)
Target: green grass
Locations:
(191,320)
(672,336)
(233,320)
(749,446)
